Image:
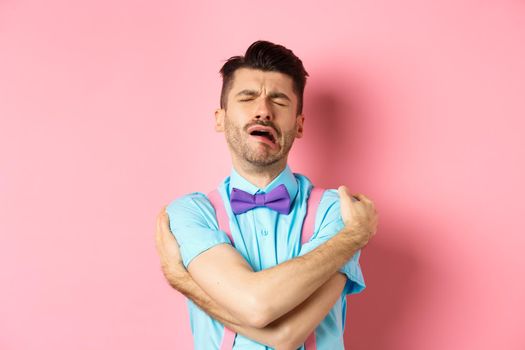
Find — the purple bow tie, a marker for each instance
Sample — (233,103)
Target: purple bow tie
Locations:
(277,199)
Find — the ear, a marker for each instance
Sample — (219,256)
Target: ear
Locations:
(299,124)
(219,120)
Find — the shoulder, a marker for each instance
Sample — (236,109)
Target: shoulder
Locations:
(329,209)
(330,195)
(328,221)
(194,201)
(329,200)
(194,207)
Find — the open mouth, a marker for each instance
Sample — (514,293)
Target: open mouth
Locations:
(266,134)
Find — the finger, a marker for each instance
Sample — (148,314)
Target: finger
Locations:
(165,223)
(159,216)
(158,240)
(165,228)
(158,232)
(343,191)
(363,198)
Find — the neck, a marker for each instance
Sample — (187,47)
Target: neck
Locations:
(259,176)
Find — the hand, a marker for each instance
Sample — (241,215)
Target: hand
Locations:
(168,250)
(359,215)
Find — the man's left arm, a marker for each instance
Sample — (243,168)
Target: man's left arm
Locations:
(328,223)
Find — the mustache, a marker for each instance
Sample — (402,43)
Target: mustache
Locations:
(267,124)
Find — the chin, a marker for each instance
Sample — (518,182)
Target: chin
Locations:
(262,160)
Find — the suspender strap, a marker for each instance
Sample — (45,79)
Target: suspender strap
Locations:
(224,225)
(309,221)
(228,339)
(306,234)
(220,211)
(307,231)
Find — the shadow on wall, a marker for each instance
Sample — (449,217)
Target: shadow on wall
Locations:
(392,276)
(339,122)
(332,122)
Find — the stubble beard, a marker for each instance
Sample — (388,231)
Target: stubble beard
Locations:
(237,139)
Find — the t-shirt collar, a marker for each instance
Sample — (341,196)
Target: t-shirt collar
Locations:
(286,177)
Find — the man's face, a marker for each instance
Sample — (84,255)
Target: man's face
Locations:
(260,119)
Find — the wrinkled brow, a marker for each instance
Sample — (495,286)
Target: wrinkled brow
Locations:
(272,95)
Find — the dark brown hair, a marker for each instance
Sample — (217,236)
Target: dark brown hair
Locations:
(266,56)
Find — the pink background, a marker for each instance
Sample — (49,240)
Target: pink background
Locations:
(107,114)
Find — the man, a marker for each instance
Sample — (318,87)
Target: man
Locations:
(267,288)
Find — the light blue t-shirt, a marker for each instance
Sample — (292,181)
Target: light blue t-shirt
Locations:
(264,238)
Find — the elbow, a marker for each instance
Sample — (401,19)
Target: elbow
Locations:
(258,313)
(283,338)
(287,338)
(257,321)
(259,307)
(251,310)
(280,334)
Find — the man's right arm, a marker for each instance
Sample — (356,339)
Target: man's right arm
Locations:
(259,298)
(287,332)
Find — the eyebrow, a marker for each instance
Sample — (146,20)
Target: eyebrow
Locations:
(272,95)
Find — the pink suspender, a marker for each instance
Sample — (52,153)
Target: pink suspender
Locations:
(220,212)
(311,208)
(306,233)
(224,225)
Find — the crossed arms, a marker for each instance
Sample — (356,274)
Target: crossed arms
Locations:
(224,285)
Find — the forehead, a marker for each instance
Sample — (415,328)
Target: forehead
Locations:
(247,78)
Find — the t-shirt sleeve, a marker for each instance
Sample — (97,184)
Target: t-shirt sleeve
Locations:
(328,222)
(194,225)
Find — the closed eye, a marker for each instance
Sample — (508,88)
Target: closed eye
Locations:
(274,101)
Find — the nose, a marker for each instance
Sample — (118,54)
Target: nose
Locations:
(264,110)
